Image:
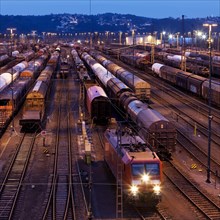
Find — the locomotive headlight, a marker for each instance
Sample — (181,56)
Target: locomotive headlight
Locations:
(145,178)
(157,189)
(134,190)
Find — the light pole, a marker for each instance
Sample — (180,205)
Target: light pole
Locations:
(161,38)
(120,33)
(177,40)
(12,97)
(11,36)
(218,42)
(210,25)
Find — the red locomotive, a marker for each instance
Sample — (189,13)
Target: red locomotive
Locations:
(141,168)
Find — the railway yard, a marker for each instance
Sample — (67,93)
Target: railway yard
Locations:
(85,135)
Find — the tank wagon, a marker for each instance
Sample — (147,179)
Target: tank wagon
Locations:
(33,114)
(140,87)
(102,74)
(4,59)
(35,67)
(11,100)
(28,55)
(195,84)
(11,74)
(142,169)
(152,126)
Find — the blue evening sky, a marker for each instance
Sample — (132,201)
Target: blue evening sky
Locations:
(146,8)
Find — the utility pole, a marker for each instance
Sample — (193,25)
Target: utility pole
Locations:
(11,85)
(209,98)
(183,58)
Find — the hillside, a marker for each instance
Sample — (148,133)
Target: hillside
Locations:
(71,23)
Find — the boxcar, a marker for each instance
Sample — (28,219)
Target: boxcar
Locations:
(215,94)
(169,73)
(182,79)
(195,84)
(98,104)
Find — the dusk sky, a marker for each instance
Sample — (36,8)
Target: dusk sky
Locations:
(146,8)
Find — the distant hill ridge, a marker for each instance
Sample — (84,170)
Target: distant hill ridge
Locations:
(71,23)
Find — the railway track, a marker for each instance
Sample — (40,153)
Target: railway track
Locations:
(199,107)
(66,196)
(151,215)
(197,153)
(190,119)
(196,120)
(194,149)
(12,183)
(60,204)
(207,208)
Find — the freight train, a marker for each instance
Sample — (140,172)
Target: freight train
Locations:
(33,114)
(196,62)
(140,87)
(129,157)
(13,96)
(154,128)
(80,67)
(197,85)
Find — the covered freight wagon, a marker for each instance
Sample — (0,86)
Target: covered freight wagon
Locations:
(98,104)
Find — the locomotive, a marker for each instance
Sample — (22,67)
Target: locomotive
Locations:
(128,157)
